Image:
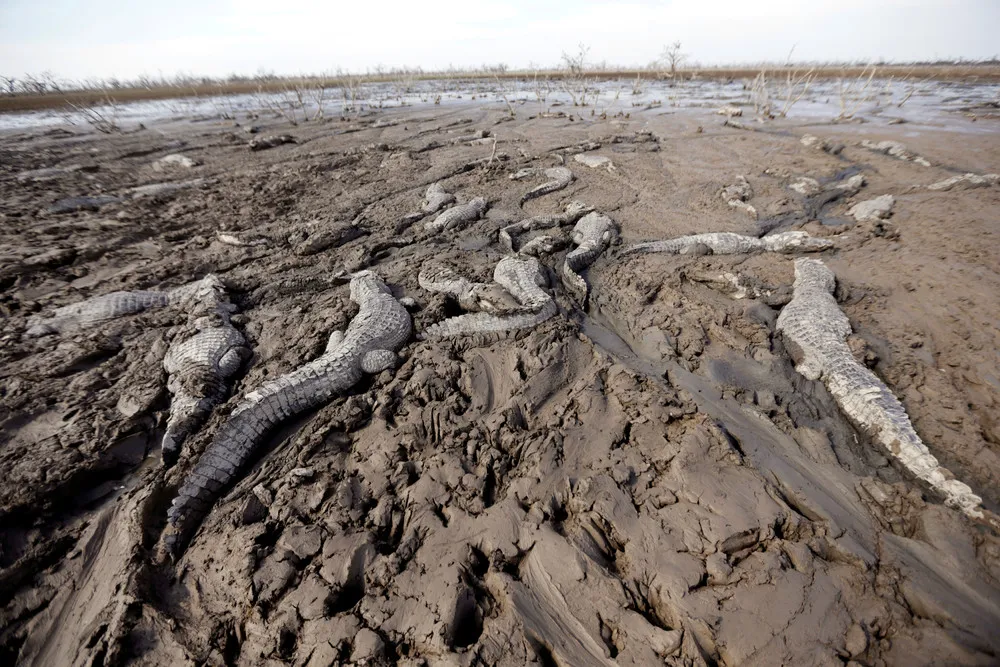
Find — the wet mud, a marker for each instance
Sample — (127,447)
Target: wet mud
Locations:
(641,479)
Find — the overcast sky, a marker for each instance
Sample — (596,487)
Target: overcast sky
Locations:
(77,39)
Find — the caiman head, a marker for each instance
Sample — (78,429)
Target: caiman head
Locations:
(578,209)
(366,283)
(797,241)
(813,273)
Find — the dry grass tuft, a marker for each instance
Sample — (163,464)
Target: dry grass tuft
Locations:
(103,116)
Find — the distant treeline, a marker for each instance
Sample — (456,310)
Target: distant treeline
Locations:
(45,90)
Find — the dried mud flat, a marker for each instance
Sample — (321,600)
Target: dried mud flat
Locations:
(643,481)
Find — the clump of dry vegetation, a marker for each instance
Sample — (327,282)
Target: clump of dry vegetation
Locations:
(297,103)
(854,92)
(773,98)
(103,116)
(542,88)
(575,82)
(505,94)
(672,58)
(351,94)
(773,95)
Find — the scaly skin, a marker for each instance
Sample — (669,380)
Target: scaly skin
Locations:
(739,286)
(740,190)
(896,150)
(727,243)
(561,177)
(230,238)
(574,211)
(592,235)
(523,279)
(542,245)
(97,309)
(826,145)
(966,182)
(380,328)
(263,143)
(483,297)
(457,217)
(310,238)
(738,194)
(73,204)
(107,307)
(848,187)
(161,189)
(810,187)
(817,331)
(475,136)
(873,210)
(199,366)
(436,198)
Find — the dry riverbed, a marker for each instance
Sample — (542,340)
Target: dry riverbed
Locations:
(644,480)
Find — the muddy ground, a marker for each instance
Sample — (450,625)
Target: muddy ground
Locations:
(644,481)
